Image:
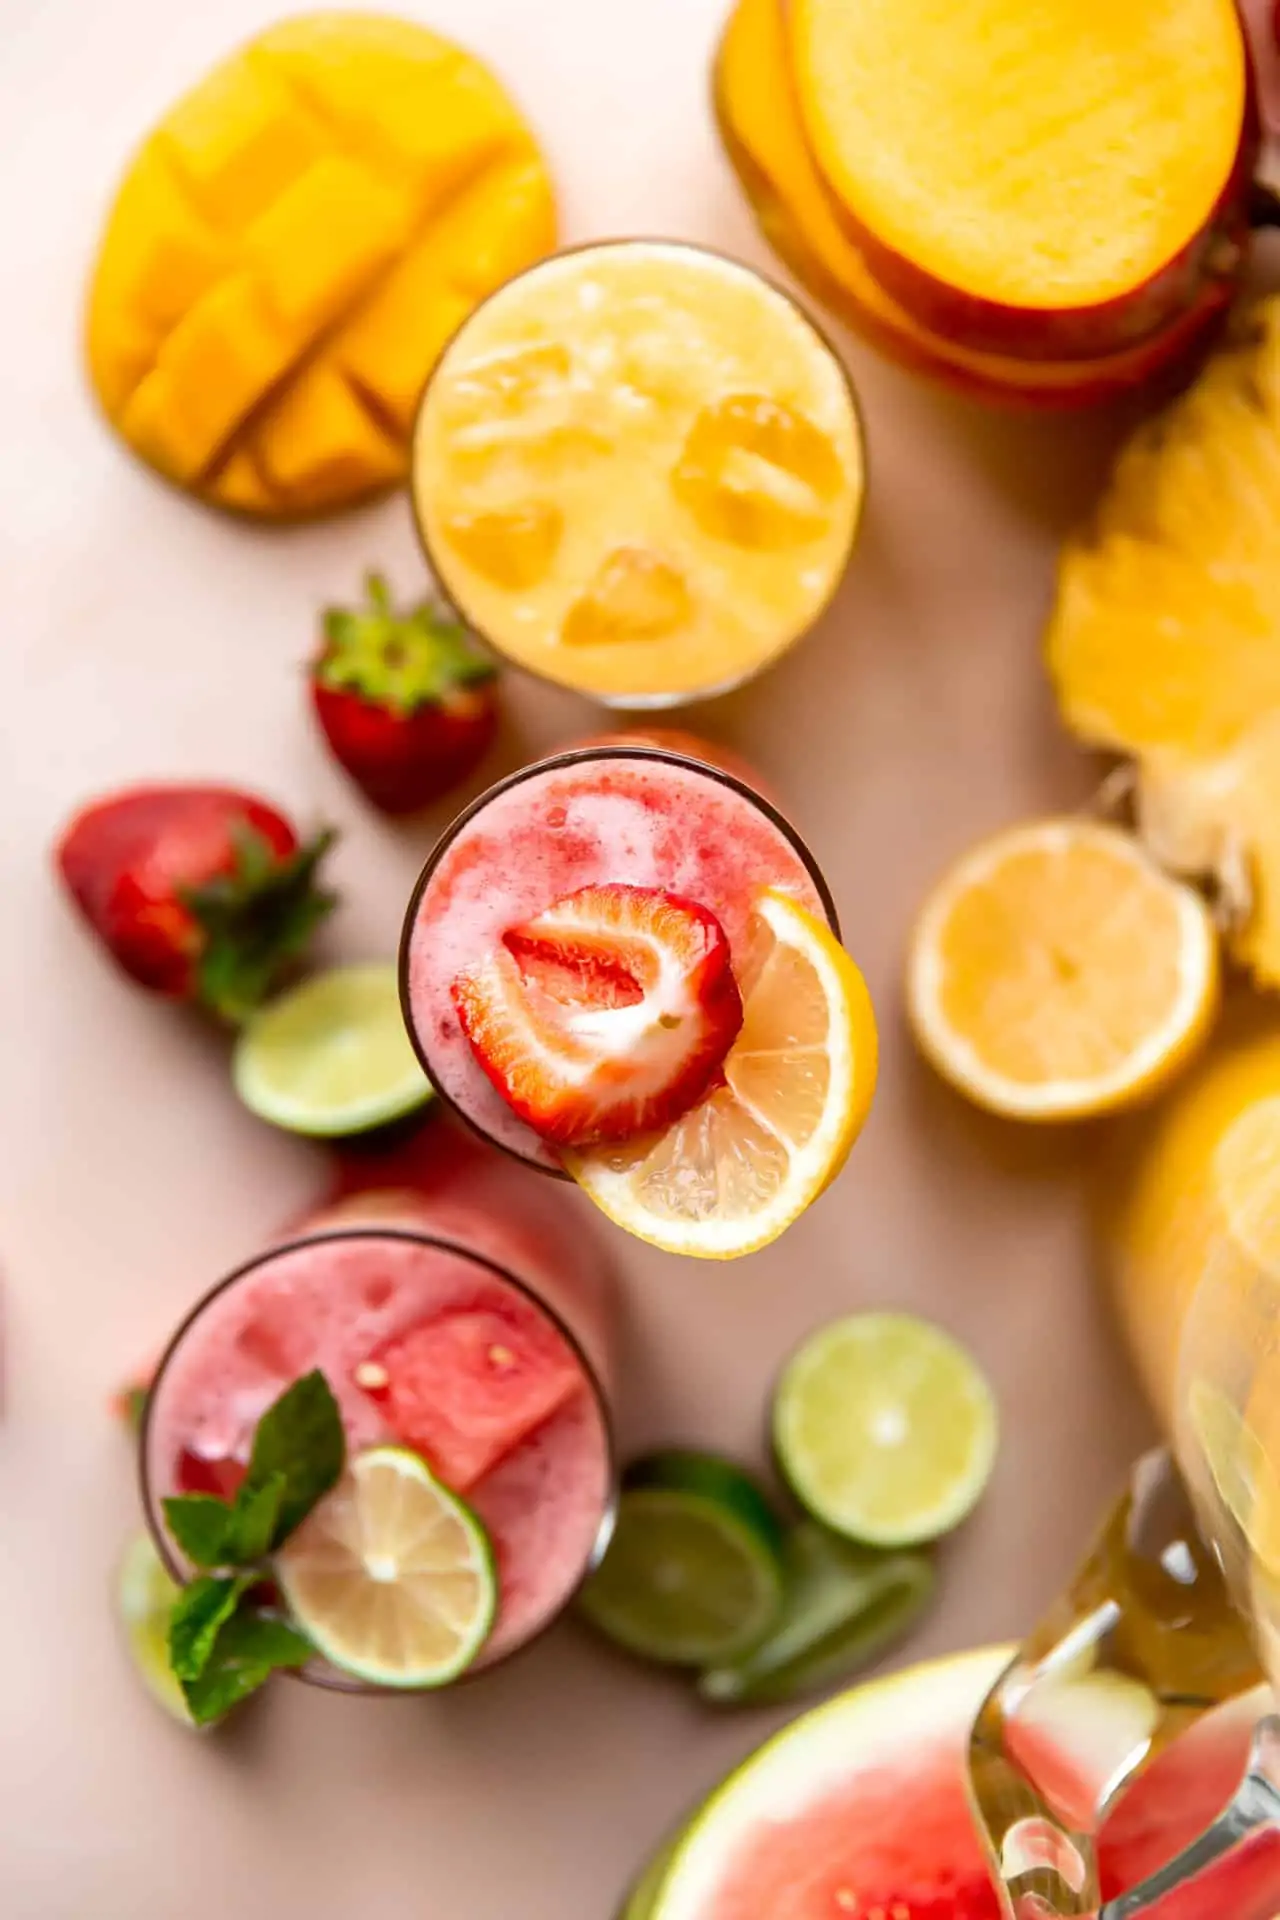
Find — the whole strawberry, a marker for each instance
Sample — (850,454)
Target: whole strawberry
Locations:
(202,894)
(407,701)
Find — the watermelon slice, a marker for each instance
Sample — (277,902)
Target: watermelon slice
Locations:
(467,1386)
(858,1811)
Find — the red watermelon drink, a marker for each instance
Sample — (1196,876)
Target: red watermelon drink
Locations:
(465,1344)
(592,952)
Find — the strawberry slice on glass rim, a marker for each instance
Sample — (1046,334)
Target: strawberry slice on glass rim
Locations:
(605,1016)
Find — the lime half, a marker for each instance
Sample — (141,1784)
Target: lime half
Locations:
(694,1571)
(844,1606)
(331,1057)
(145,1593)
(392,1577)
(884,1429)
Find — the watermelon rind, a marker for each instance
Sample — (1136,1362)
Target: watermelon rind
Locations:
(817,1754)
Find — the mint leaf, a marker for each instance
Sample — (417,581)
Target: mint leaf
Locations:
(213,1534)
(252,1521)
(199,1523)
(301,1440)
(249,1648)
(199,1613)
(254,1635)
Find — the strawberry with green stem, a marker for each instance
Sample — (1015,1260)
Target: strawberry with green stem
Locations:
(407,701)
(202,894)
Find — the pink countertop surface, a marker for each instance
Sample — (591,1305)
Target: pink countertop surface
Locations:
(145,636)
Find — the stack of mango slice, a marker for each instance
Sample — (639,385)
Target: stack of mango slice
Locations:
(292,247)
(1027,201)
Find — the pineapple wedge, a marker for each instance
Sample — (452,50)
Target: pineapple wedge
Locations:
(1164,642)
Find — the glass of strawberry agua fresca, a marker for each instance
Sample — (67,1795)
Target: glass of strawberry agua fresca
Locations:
(472,1327)
(624,812)
(604,965)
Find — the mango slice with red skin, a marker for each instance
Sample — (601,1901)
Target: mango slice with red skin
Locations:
(764,138)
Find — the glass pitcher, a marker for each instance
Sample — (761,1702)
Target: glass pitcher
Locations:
(1175,1611)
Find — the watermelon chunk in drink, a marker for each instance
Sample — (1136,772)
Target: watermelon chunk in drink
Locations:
(425,1344)
(465,1388)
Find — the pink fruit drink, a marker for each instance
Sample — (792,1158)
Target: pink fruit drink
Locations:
(640,815)
(506,1281)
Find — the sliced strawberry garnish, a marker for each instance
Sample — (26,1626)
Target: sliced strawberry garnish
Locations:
(606,1016)
(465,1388)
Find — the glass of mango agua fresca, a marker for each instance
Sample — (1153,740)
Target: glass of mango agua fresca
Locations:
(637,472)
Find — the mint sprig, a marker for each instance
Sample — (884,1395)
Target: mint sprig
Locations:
(247,1651)
(198,1618)
(223,1642)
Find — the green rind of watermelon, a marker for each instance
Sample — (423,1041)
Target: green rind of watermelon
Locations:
(859,1809)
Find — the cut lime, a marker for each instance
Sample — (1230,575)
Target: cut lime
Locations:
(145,1593)
(884,1429)
(843,1606)
(694,1571)
(331,1057)
(392,1577)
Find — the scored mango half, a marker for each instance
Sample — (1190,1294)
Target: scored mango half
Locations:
(292,247)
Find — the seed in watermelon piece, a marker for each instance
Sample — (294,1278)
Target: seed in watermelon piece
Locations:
(466,1387)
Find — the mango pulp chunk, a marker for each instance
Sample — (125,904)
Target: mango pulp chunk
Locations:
(501,223)
(506,382)
(437,149)
(511,546)
(210,372)
(364,223)
(653,368)
(162,256)
(636,595)
(397,336)
(319,439)
(239,139)
(416,102)
(241,485)
(757,473)
(517,406)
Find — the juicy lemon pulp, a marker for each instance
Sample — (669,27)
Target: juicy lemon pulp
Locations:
(690,437)
(733,1172)
(1055,972)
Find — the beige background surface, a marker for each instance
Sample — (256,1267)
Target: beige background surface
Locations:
(143,636)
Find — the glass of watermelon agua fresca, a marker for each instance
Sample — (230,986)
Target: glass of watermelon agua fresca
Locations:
(466,1342)
(623,964)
